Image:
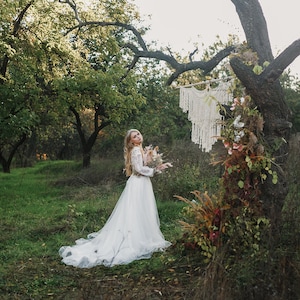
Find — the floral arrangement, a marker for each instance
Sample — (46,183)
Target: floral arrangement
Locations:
(236,214)
(243,130)
(203,223)
(248,162)
(152,157)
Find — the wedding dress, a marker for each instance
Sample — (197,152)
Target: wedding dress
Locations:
(132,231)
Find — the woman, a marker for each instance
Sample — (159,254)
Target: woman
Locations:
(132,231)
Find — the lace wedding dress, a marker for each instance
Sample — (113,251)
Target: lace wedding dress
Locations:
(132,231)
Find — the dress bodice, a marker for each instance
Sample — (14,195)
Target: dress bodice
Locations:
(138,167)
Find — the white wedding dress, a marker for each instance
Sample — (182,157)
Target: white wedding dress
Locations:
(132,231)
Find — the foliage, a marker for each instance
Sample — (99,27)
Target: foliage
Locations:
(244,249)
(207,228)
(88,88)
(61,67)
(248,259)
(160,115)
(254,261)
(204,223)
(248,162)
(246,165)
(33,54)
(291,86)
(191,171)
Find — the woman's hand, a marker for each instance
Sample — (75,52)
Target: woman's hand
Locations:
(163,167)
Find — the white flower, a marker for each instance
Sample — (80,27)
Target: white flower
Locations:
(152,158)
(237,123)
(238,135)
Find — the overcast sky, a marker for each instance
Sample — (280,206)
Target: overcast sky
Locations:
(180,23)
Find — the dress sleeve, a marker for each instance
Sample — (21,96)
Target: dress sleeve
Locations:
(137,163)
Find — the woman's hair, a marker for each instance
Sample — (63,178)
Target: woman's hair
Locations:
(128,146)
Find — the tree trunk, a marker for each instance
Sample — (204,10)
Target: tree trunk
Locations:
(86,160)
(88,144)
(268,96)
(6,163)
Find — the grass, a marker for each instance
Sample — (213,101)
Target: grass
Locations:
(54,203)
(38,216)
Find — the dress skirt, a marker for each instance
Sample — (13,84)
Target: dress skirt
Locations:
(132,231)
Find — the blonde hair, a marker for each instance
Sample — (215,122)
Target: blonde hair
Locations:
(128,146)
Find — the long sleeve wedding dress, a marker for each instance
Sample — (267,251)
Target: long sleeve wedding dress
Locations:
(132,231)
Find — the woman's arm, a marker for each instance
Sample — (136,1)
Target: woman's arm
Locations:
(137,163)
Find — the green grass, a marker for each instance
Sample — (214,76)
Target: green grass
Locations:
(54,203)
(38,216)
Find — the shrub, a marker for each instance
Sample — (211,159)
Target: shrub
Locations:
(191,171)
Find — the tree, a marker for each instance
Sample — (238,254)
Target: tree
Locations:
(99,98)
(32,53)
(16,119)
(260,77)
(49,56)
(99,88)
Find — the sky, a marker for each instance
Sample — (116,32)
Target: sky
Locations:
(180,23)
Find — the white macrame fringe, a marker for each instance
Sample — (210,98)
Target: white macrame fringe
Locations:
(203,112)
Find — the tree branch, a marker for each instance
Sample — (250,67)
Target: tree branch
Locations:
(78,125)
(243,72)
(180,68)
(81,24)
(16,28)
(276,67)
(205,66)
(17,23)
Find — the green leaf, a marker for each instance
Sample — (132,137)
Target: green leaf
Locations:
(275,179)
(241,184)
(257,69)
(263,176)
(249,164)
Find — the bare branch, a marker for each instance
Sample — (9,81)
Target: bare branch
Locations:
(154,54)
(276,67)
(192,54)
(271,73)
(73,5)
(180,68)
(130,67)
(81,24)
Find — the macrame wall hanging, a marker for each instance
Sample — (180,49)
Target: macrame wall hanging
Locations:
(203,111)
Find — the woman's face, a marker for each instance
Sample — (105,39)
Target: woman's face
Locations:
(136,138)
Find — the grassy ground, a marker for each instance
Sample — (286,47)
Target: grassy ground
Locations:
(37,216)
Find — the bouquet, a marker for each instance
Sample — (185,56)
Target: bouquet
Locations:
(152,157)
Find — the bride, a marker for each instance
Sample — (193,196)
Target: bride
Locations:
(132,231)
